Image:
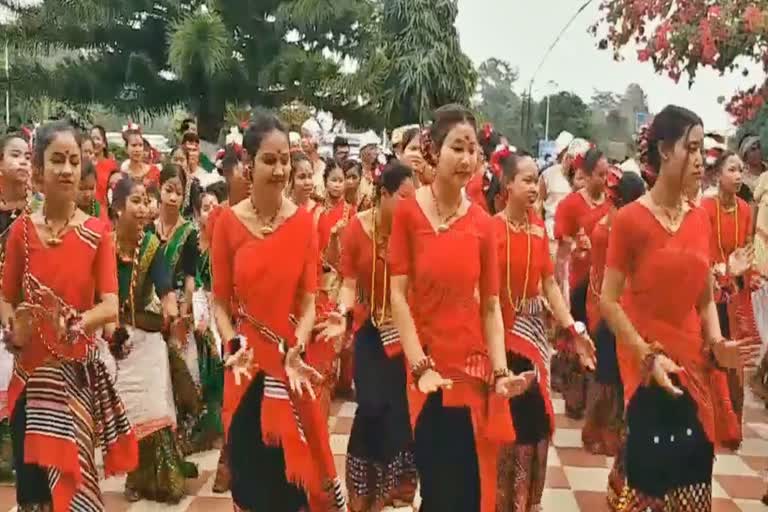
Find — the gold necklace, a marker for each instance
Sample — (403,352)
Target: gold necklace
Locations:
(164,233)
(267,226)
(719,228)
(383,314)
(444,221)
(55,238)
(517,304)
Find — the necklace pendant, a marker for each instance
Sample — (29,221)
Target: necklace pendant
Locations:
(442,228)
(267,230)
(54,241)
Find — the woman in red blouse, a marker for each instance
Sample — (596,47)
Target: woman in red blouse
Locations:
(575,218)
(730,245)
(445,305)
(527,283)
(300,184)
(657,298)
(62,401)
(136,167)
(264,255)
(104,163)
(380,466)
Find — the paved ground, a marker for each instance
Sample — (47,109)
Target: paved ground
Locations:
(575,481)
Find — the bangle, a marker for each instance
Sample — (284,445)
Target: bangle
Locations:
(710,354)
(646,366)
(500,373)
(421,367)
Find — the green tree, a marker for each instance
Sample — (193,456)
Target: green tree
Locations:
(498,102)
(149,57)
(567,111)
(411,62)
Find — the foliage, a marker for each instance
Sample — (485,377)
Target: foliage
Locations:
(679,36)
(613,115)
(498,102)
(567,111)
(141,56)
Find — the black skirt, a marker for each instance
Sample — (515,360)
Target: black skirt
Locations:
(381,429)
(666,445)
(446,458)
(529,412)
(579,301)
(722,315)
(258,470)
(607,371)
(31,480)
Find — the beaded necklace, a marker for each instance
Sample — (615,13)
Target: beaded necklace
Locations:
(517,304)
(719,229)
(383,315)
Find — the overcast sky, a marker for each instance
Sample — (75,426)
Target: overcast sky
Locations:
(520,31)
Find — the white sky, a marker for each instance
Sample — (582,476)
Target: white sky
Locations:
(520,31)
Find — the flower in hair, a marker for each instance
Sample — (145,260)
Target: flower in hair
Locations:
(496,157)
(131,126)
(487,130)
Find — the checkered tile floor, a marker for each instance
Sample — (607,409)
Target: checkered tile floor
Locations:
(576,480)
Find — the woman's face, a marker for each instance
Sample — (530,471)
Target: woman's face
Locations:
(754,156)
(86,191)
(388,202)
(412,156)
(207,204)
(135,148)
(98,141)
(179,157)
(147,154)
(62,165)
(136,211)
(685,161)
(579,179)
(272,162)
(457,157)
(523,189)
(172,193)
(352,182)
(595,182)
(16,165)
(193,153)
(334,185)
(731,174)
(88,150)
(302,180)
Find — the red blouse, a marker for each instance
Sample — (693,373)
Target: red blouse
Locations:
(103,170)
(599,240)
(357,263)
(328,219)
(513,261)
(474,190)
(446,270)
(78,270)
(729,239)
(265,277)
(573,215)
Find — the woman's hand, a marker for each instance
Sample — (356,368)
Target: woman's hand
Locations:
(736,354)
(514,385)
(430,381)
(585,349)
(661,371)
(333,327)
(240,363)
(300,375)
(741,260)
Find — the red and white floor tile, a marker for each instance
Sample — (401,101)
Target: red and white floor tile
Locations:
(576,480)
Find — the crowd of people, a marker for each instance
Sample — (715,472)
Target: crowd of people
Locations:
(154,311)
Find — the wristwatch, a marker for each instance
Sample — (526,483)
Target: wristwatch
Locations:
(577,329)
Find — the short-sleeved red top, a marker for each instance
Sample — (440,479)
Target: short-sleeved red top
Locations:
(574,214)
(80,268)
(103,170)
(445,271)
(475,193)
(328,219)
(357,263)
(729,238)
(599,240)
(264,277)
(512,249)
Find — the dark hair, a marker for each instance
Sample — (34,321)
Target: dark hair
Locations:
(297,157)
(720,162)
(120,193)
(262,124)
(348,165)
(172,171)
(408,136)
(103,133)
(669,126)
(340,142)
(190,137)
(591,158)
(330,165)
(488,142)
(230,161)
(8,138)
(88,170)
(218,189)
(510,165)
(393,175)
(185,124)
(445,118)
(46,134)
(129,133)
(631,186)
(154,191)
